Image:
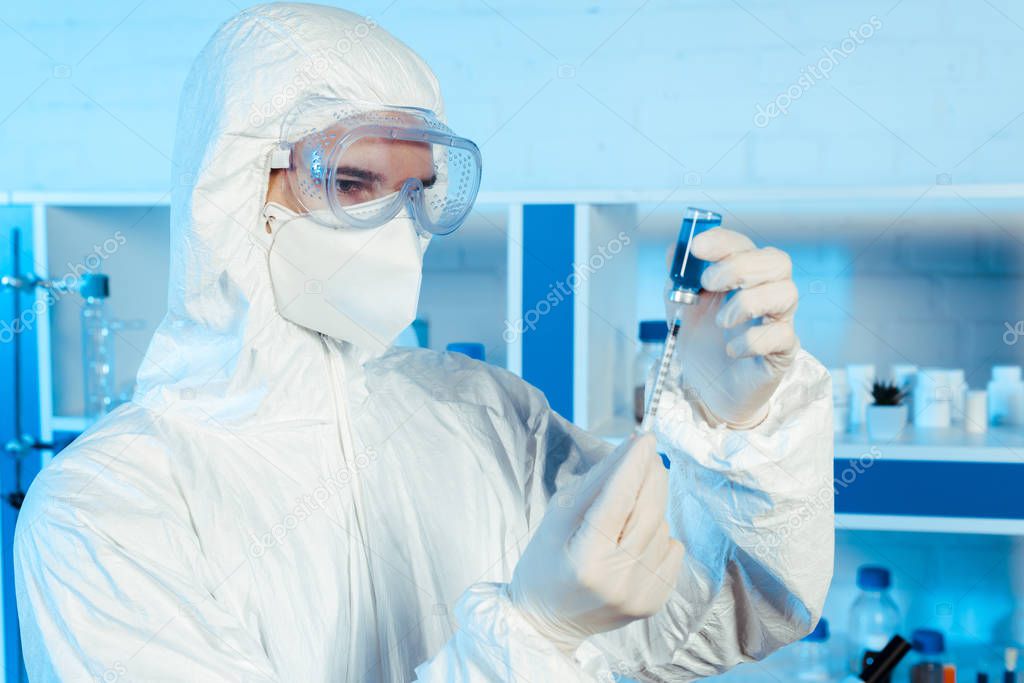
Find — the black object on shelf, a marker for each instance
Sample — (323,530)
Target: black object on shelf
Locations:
(880,669)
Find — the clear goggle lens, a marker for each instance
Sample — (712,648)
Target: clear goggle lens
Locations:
(363,168)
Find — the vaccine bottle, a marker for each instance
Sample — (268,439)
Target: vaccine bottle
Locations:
(686,268)
(652,345)
(874,617)
(97,346)
(812,656)
(927,665)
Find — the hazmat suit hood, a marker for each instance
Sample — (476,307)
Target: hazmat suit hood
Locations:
(223,347)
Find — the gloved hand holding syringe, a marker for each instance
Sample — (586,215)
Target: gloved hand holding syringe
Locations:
(685,274)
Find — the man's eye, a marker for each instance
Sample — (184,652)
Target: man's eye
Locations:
(348,186)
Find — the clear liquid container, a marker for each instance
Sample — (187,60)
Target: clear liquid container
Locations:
(97,346)
(812,656)
(874,617)
(929,650)
(652,345)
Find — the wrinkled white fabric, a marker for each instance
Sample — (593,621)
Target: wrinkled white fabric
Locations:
(277,506)
(321,276)
(603,557)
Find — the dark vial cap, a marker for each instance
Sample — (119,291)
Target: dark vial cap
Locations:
(94,286)
(928,641)
(653,330)
(873,578)
(474,350)
(820,633)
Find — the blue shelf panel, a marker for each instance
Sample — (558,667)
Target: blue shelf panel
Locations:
(19,407)
(923,488)
(549,247)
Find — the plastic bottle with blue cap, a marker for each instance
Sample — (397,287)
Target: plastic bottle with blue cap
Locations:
(929,648)
(652,345)
(874,616)
(812,655)
(97,346)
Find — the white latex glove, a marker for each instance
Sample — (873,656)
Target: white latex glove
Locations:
(737,341)
(602,556)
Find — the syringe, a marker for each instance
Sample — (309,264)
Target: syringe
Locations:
(685,290)
(659,380)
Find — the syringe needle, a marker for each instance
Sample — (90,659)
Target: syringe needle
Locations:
(659,380)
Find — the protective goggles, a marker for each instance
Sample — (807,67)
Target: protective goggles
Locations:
(357,165)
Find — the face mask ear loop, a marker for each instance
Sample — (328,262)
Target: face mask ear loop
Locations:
(263,233)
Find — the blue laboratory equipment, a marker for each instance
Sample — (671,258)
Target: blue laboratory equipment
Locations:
(684,291)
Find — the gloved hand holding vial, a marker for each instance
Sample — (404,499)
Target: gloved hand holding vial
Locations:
(683,290)
(731,307)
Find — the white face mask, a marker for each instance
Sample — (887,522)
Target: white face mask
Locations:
(360,286)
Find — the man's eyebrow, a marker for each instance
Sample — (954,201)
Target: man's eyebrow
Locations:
(360,173)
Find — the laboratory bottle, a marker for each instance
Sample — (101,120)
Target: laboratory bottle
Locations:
(1006,396)
(927,665)
(97,346)
(812,656)
(840,400)
(874,617)
(652,344)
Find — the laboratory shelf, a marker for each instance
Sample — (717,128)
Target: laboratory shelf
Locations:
(929,481)
(997,445)
(934,480)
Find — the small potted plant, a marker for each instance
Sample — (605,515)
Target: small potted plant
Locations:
(887,416)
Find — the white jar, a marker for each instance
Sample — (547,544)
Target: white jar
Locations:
(976,417)
(933,398)
(860,378)
(1006,396)
(904,376)
(958,394)
(840,400)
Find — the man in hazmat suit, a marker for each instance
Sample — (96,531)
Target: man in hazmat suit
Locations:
(289,499)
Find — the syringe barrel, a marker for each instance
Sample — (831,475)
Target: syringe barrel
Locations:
(686,268)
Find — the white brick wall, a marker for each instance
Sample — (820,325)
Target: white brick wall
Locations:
(91,90)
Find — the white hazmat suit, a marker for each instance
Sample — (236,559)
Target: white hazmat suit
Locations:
(276,505)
